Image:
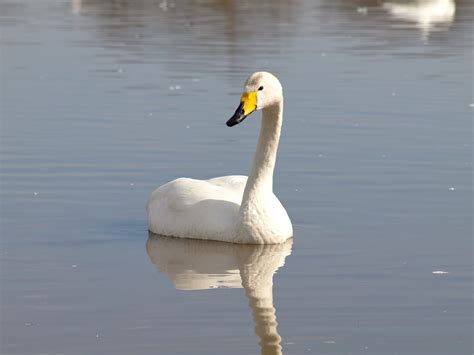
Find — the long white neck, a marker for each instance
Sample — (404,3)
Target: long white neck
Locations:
(260,180)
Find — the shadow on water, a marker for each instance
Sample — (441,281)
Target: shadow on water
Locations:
(200,265)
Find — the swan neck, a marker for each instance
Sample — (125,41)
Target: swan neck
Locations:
(261,176)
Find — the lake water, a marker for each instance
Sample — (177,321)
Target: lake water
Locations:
(102,101)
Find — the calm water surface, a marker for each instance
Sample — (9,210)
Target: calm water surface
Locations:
(102,101)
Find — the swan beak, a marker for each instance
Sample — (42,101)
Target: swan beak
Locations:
(248,104)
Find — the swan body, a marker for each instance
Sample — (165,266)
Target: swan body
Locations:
(237,209)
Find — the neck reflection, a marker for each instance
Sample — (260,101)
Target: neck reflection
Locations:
(201,264)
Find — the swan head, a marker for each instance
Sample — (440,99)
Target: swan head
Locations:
(261,90)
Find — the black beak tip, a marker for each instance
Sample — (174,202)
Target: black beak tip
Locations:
(235,121)
(238,116)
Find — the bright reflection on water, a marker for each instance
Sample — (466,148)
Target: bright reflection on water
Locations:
(103,101)
(200,265)
(428,15)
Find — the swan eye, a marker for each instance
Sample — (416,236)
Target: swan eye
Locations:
(260,88)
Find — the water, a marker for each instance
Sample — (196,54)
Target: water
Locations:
(104,101)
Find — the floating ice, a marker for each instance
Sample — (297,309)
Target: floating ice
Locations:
(362,10)
(440,272)
(74,265)
(452,188)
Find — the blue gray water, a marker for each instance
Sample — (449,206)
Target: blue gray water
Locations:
(102,101)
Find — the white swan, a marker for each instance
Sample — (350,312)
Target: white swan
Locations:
(425,13)
(199,265)
(233,209)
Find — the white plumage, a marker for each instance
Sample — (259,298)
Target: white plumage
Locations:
(231,208)
(425,13)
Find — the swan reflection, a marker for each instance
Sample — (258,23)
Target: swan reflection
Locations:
(199,264)
(426,14)
(76,6)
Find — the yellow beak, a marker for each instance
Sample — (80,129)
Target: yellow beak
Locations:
(248,104)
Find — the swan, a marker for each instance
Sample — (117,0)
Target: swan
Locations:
(236,209)
(203,264)
(425,13)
